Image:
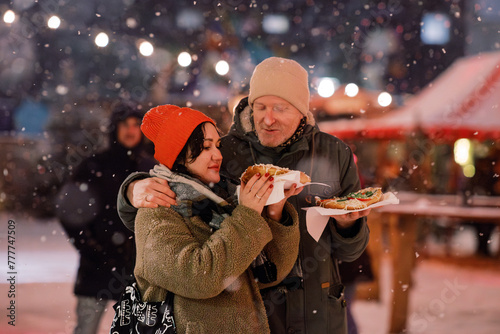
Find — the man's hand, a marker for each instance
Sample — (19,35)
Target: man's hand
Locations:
(347,220)
(150,193)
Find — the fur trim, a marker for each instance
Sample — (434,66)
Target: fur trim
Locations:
(246,124)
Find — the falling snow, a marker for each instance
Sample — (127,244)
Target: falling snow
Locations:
(58,84)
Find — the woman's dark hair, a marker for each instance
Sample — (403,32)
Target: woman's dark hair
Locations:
(194,145)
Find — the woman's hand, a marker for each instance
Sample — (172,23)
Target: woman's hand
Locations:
(275,211)
(255,193)
(150,193)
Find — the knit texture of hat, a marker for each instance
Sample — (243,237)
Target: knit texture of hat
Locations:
(281,77)
(169,127)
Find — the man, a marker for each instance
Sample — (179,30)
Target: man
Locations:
(89,217)
(274,126)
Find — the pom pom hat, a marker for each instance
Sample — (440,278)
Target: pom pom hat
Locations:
(283,78)
(169,127)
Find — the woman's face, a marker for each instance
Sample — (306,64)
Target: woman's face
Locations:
(206,166)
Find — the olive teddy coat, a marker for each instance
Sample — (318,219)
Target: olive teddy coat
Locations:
(209,270)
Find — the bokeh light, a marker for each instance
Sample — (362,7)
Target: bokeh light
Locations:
(54,22)
(9,16)
(184,59)
(326,87)
(146,48)
(351,90)
(222,67)
(102,40)
(384,99)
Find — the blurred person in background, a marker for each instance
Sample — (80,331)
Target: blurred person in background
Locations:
(86,209)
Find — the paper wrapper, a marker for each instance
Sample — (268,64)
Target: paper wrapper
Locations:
(281,183)
(317,217)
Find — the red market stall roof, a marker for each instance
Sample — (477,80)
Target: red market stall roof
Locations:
(462,102)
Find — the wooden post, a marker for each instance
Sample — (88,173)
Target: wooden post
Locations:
(376,250)
(402,235)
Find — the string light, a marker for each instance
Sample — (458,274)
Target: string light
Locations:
(146,48)
(54,22)
(102,40)
(351,90)
(9,16)
(184,59)
(222,67)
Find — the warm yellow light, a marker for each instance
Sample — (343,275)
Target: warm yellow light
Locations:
(469,170)
(463,152)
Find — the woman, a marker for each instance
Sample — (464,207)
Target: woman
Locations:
(205,249)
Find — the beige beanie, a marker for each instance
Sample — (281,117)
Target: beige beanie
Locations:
(281,77)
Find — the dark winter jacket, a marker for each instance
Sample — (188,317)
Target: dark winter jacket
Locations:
(309,301)
(106,247)
(313,305)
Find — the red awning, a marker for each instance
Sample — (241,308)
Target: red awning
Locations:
(462,102)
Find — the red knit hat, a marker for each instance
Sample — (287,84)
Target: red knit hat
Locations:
(169,127)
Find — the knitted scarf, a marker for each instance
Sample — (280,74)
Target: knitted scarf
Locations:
(195,198)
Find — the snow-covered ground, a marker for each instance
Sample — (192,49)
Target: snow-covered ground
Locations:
(445,298)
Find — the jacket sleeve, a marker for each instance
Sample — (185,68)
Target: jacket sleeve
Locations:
(284,248)
(126,211)
(169,256)
(349,177)
(349,249)
(349,245)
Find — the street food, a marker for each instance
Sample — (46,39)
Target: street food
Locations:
(272,170)
(353,201)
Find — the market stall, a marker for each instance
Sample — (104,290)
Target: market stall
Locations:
(462,102)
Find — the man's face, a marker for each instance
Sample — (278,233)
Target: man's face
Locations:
(128,132)
(275,120)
